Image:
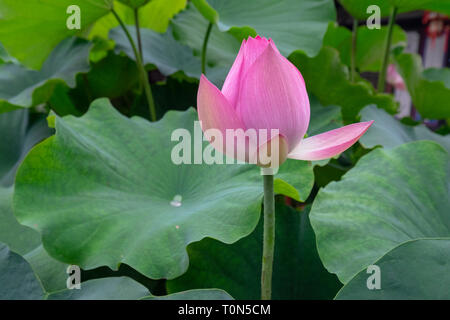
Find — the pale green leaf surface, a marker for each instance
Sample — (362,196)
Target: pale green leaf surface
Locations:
(21,87)
(415,270)
(109,182)
(385,200)
(329,80)
(31,29)
(292,24)
(167,54)
(388,132)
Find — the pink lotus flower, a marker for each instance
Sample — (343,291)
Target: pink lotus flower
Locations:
(394,78)
(264,90)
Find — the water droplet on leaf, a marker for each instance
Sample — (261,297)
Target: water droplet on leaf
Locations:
(176,202)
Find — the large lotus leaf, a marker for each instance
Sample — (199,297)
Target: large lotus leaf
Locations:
(16,277)
(18,137)
(19,282)
(329,80)
(19,238)
(189,27)
(415,270)
(292,24)
(167,54)
(21,87)
(298,272)
(388,132)
(389,197)
(13,128)
(120,288)
(369,45)
(438,74)
(358,8)
(105,191)
(429,90)
(30,30)
(154,15)
(27,242)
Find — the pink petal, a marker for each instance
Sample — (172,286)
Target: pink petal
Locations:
(215,112)
(250,50)
(231,85)
(328,144)
(273,96)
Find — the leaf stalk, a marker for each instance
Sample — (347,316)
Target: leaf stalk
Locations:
(144,76)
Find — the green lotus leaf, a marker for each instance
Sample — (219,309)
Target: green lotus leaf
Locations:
(292,24)
(429,89)
(329,80)
(382,202)
(154,15)
(415,270)
(388,132)
(19,135)
(189,27)
(19,238)
(31,30)
(298,272)
(113,195)
(27,242)
(19,282)
(167,54)
(369,46)
(23,88)
(438,74)
(17,278)
(206,10)
(358,8)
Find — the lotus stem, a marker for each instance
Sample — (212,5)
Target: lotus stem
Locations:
(387,51)
(138,30)
(143,72)
(268,238)
(354,44)
(205,47)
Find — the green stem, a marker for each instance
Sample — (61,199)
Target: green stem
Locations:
(138,30)
(353,56)
(143,72)
(268,238)
(138,36)
(205,47)
(387,51)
